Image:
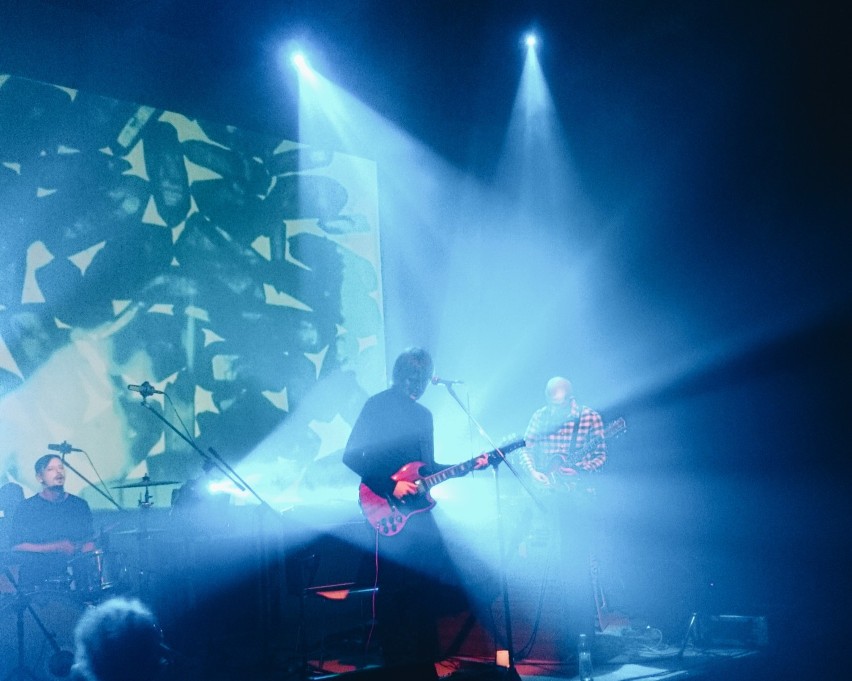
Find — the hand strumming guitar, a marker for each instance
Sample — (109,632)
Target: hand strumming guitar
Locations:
(405,487)
(538,476)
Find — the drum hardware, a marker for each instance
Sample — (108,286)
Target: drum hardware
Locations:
(60,661)
(97,573)
(143,532)
(145,481)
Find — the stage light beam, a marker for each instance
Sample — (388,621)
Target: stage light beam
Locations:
(531,40)
(303,68)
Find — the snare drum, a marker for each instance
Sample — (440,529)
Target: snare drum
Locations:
(98,571)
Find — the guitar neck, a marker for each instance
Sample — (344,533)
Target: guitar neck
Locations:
(615,428)
(466,467)
(589,447)
(457,471)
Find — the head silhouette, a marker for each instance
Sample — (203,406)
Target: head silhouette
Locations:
(119,640)
(412,372)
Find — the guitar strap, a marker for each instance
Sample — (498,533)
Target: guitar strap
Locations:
(572,447)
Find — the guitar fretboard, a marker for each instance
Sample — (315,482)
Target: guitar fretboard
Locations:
(466,467)
(456,471)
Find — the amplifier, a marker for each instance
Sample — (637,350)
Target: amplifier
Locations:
(737,631)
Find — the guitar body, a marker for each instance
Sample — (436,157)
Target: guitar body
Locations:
(562,475)
(565,475)
(388,515)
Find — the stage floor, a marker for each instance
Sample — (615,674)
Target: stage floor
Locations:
(709,664)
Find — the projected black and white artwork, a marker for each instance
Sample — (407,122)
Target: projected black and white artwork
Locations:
(237,273)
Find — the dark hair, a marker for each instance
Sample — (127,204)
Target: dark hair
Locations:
(11,494)
(42,461)
(119,640)
(412,371)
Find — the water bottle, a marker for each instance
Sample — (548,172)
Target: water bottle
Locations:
(584,657)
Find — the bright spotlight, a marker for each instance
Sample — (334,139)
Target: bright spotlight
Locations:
(300,63)
(303,68)
(531,40)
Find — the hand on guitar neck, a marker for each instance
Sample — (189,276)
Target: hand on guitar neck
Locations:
(410,495)
(405,487)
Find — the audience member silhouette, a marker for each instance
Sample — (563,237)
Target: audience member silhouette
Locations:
(119,640)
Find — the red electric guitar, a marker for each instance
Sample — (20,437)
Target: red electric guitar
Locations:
(388,515)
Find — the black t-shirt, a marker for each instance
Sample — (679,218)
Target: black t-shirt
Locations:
(39,521)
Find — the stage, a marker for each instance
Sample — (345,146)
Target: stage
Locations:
(246,593)
(664,665)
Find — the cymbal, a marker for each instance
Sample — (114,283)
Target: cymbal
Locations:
(146,482)
(153,530)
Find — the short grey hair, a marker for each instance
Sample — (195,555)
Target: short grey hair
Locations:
(118,640)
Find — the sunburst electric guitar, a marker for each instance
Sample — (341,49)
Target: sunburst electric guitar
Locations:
(388,515)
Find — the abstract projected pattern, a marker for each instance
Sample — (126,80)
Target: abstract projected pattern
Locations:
(237,273)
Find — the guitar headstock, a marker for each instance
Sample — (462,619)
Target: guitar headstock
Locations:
(616,428)
(510,445)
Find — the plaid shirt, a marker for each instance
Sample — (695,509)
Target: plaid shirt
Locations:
(549,439)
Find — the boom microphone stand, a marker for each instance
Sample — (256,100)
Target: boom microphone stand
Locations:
(211,456)
(65,449)
(213,460)
(511,671)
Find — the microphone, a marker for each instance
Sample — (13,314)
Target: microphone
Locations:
(146,389)
(63,447)
(444,381)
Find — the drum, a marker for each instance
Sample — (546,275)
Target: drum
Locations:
(58,611)
(98,572)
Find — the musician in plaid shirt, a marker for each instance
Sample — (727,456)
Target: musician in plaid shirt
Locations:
(565,441)
(557,431)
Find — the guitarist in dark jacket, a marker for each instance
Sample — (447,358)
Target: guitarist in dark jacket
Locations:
(414,570)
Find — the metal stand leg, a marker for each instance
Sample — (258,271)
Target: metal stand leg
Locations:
(690,634)
(21,671)
(60,661)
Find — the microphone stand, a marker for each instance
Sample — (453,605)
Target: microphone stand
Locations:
(211,459)
(89,482)
(511,670)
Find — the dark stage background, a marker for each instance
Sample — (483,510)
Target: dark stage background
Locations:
(703,292)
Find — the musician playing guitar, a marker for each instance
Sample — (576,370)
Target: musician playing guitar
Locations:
(564,443)
(414,569)
(558,434)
